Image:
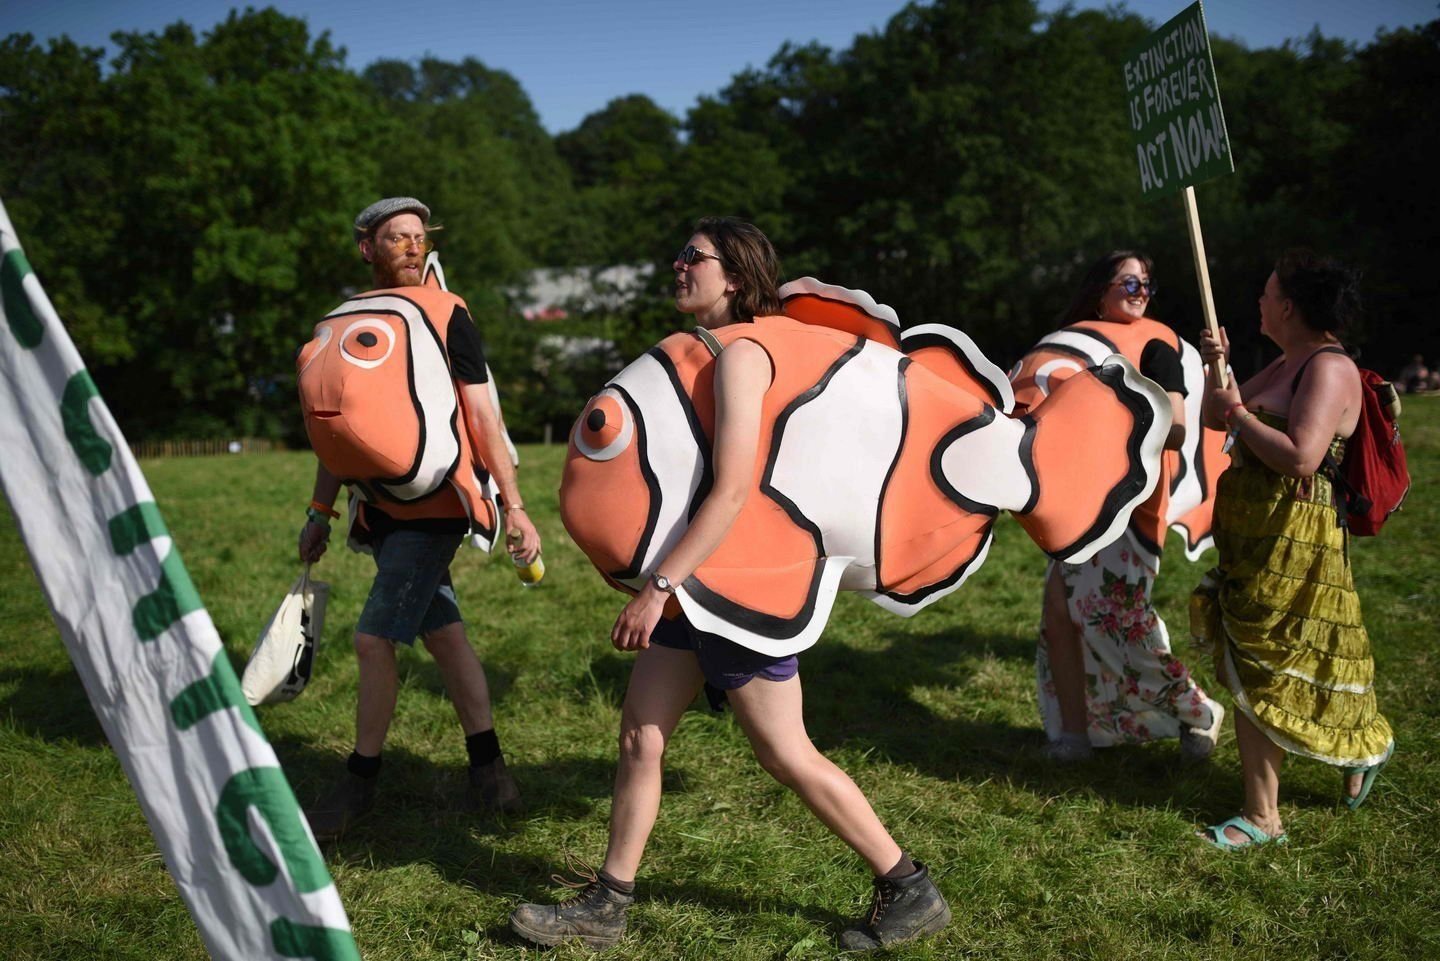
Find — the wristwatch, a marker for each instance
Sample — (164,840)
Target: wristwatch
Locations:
(662,583)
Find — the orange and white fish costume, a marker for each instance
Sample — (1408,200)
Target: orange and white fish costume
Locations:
(1185,502)
(884,458)
(385,416)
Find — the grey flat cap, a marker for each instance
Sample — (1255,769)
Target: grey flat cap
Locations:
(382,210)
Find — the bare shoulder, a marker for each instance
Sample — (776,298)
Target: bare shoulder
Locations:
(1334,368)
(744,360)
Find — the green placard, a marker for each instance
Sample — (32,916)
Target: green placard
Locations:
(1174,107)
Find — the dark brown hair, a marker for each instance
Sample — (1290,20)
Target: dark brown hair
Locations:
(1325,291)
(749,260)
(1097,280)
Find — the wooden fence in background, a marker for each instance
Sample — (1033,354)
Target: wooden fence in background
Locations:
(203,448)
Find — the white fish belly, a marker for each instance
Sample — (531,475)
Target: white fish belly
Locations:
(670,450)
(835,451)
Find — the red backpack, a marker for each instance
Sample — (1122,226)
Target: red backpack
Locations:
(1373,479)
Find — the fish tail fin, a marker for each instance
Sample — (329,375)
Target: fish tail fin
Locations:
(1095,447)
(434,275)
(852,311)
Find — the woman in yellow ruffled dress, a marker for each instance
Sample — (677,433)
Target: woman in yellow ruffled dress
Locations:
(1280,610)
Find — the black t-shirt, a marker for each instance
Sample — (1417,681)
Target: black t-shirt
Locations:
(465,349)
(1161,363)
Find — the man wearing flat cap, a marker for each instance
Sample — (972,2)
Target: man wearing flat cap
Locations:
(412,532)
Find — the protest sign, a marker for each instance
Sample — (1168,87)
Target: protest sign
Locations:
(1174,107)
(1173,100)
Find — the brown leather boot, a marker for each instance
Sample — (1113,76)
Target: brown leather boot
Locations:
(347,801)
(493,789)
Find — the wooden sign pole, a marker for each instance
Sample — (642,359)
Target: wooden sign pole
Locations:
(1202,274)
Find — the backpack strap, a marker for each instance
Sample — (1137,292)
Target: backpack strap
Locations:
(711,342)
(1332,349)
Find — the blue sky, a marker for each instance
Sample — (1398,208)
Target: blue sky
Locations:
(574,56)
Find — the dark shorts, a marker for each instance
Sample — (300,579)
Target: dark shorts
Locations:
(412,593)
(725,664)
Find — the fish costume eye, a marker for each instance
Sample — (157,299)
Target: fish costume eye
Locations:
(605,427)
(367,343)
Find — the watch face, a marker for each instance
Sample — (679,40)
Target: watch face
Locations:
(662,584)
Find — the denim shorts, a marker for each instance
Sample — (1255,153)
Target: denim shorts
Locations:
(725,664)
(412,593)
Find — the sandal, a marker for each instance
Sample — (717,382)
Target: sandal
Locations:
(1215,835)
(1368,773)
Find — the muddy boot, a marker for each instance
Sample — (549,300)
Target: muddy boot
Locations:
(333,814)
(493,789)
(903,909)
(596,916)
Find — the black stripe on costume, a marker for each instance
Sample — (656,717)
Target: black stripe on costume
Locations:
(937,467)
(756,622)
(903,396)
(702,443)
(652,484)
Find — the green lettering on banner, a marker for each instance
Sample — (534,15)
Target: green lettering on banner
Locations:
(93,450)
(219,691)
(266,790)
(304,941)
(23,323)
(176,596)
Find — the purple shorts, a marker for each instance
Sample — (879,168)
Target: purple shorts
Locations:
(725,664)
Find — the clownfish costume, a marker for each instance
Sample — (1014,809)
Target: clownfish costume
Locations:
(384,413)
(883,460)
(1185,498)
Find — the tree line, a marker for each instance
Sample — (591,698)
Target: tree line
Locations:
(188,202)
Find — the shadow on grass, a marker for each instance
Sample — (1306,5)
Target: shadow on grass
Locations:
(50,705)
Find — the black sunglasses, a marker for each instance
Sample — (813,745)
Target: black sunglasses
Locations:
(691,253)
(1133,286)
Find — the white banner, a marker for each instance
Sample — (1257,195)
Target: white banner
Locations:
(152,664)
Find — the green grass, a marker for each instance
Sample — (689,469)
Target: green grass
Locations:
(933,716)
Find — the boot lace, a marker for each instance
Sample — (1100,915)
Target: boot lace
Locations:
(587,879)
(884,897)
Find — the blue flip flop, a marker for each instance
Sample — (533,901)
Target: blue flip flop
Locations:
(1215,835)
(1353,803)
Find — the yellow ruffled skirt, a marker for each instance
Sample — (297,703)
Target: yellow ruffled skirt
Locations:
(1282,618)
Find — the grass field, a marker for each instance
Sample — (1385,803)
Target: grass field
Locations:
(933,716)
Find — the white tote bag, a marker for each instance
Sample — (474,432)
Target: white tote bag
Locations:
(284,655)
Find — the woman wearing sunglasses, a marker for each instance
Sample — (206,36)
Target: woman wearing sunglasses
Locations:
(1104,671)
(727,273)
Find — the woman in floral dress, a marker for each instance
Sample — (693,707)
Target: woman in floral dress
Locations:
(1104,671)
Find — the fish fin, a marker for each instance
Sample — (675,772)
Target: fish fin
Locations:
(434,275)
(774,610)
(939,580)
(1095,452)
(950,353)
(1202,458)
(840,308)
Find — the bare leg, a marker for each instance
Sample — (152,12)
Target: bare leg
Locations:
(662,684)
(375,703)
(1067,664)
(1260,760)
(771,714)
(464,676)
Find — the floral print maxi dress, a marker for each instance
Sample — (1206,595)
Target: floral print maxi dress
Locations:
(1135,689)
